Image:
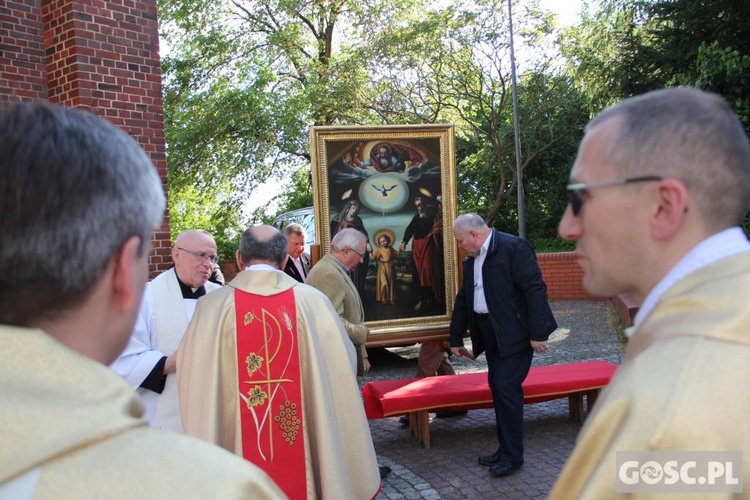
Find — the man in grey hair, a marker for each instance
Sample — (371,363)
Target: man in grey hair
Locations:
(79,201)
(503,302)
(658,191)
(265,370)
(331,275)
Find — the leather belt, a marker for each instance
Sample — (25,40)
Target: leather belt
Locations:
(482,316)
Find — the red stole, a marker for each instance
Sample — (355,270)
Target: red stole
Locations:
(268,368)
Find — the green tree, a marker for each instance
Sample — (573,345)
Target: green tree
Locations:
(244,79)
(629,47)
(190,211)
(453,65)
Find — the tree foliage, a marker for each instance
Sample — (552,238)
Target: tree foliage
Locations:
(453,65)
(629,47)
(244,80)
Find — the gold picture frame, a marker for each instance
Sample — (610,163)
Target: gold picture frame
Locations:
(396,184)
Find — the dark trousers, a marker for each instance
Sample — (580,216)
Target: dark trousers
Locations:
(505,376)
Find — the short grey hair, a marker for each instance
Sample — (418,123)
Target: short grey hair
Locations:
(347,238)
(295,228)
(469,222)
(690,135)
(263,243)
(74,188)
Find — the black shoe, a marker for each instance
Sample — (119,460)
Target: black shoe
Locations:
(404,421)
(450,414)
(504,468)
(489,460)
(384,471)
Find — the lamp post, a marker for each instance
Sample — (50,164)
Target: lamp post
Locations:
(517,132)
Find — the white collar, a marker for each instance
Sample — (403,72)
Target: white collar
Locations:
(486,245)
(714,248)
(261,267)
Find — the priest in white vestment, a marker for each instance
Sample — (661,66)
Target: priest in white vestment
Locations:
(148,362)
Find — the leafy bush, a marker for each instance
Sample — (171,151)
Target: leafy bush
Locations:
(552,245)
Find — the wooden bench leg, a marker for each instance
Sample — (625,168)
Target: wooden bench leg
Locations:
(591,399)
(575,406)
(419,423)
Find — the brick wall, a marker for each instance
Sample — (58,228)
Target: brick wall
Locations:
(563,276)
(99,55)
(23,73)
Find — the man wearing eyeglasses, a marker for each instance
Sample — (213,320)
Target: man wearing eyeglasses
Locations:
(331,275)
(658,191)
(149,361)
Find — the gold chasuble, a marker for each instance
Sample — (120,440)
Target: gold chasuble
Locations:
(269,386)
(679,388)
(267,371)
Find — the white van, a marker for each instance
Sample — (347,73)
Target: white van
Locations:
(303,216)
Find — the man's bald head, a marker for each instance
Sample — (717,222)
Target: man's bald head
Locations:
(263,244)
(194,254)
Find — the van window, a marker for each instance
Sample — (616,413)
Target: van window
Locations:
(303,216)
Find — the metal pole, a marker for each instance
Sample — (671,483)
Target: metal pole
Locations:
(517,132)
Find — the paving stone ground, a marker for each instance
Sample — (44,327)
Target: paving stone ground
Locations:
(449,469)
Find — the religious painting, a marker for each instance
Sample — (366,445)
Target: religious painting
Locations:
(396,185)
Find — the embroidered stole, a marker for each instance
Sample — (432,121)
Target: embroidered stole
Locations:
(269,384)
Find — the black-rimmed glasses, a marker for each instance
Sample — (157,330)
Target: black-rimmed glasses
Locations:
(574,190)
(201,255)
(361,255)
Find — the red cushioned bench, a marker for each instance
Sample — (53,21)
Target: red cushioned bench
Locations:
(469,391)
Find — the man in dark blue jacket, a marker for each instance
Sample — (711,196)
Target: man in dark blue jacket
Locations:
(503,302)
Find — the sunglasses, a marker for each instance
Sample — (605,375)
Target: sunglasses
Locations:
(575,190)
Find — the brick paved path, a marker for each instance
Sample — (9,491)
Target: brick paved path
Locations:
(449,470)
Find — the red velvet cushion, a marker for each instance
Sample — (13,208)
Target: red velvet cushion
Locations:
(471,390)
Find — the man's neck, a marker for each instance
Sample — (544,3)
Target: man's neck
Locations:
(336,256)
(80,328)
(486,236)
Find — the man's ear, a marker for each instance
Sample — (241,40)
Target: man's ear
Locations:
(671,208)
(238,258)
(125,278)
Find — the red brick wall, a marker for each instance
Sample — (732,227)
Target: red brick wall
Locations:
(23,73)
(563,276)
(559,270)
(99,55)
